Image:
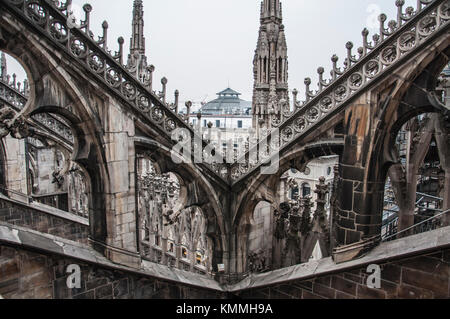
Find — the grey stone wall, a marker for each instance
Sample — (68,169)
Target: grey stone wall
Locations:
(28,275)
(422,277)
(25,274)
(23,216)
(261,232)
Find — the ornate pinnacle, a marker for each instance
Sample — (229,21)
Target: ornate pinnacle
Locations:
(137,39)
(4,67)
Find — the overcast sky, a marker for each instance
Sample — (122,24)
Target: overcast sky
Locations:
(201,46)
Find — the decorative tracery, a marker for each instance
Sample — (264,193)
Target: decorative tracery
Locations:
(169,233)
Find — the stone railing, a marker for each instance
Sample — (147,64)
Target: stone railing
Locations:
(424,226)
(51,17)
(56,125)
(388,49)
(58,223)
(54,20)
(12,94)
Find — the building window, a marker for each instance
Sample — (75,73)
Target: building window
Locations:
(240,124)
(194,122)
(329,171)
(205,123)
(218,123)
(306,190)
(184,253)
(294,193)
(171,248)
(198,258)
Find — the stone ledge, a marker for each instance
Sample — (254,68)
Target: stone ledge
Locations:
(18,236)
(401,248)
(353,251)
(389,251)
(48,210)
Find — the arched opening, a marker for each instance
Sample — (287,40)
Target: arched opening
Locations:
(17,86)
(54,179)
(38,167)
(14,92)
(415,187)
(295,184)
(14,83)
(416,193)
(170,233)
(302,231)
(294,226)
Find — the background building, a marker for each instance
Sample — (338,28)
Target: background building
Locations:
(230,119)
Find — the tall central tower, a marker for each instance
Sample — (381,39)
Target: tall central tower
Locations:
(271,91)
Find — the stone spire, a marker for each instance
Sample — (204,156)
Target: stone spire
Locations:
(271,9)
(271,92)
(137,60)
(137,43)
(4,67)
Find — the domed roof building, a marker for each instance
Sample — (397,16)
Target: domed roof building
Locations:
(227,111)
(227,103)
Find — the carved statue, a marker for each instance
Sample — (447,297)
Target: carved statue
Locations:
(11,123)
(306,225)
(257,262)
(281,222)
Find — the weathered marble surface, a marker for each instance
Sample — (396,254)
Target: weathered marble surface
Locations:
(401,248)
(54,245)
(386,251)
(49,210)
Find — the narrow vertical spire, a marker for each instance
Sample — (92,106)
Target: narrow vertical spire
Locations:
(137,60)
(137,38)
(4,67)
(271,9)
(271,91)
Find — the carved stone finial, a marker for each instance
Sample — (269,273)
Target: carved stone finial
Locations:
(322,190)
(188,107)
